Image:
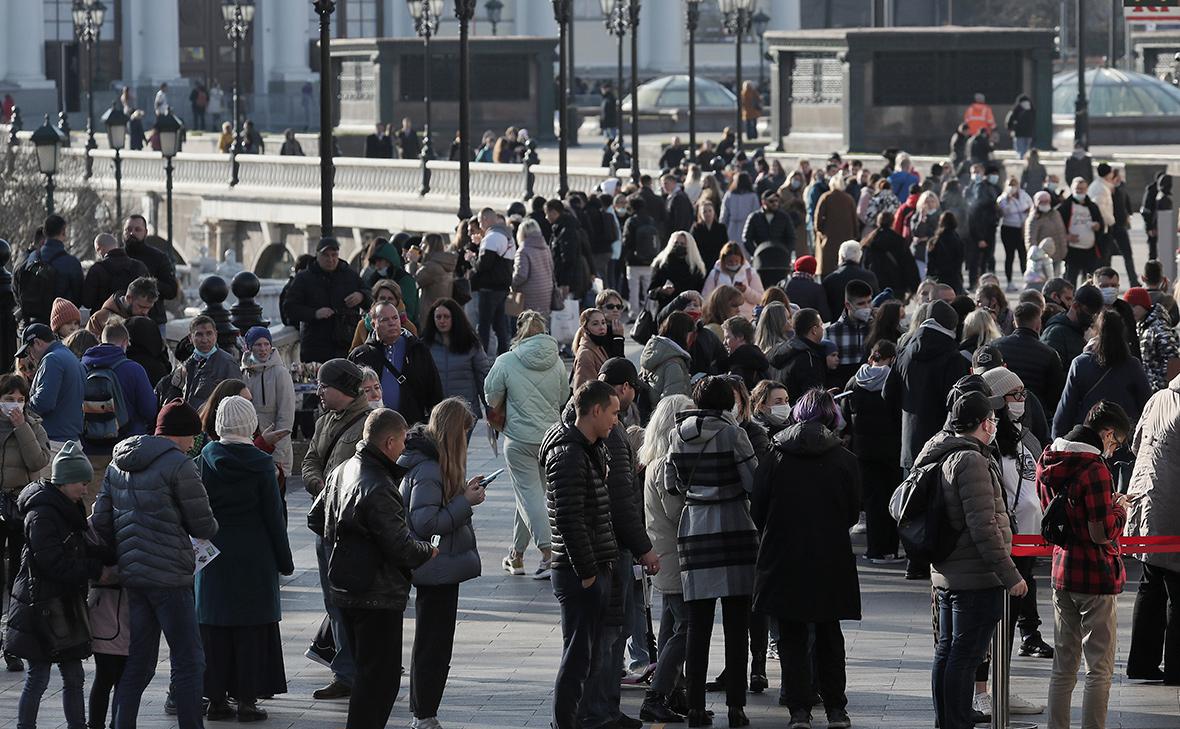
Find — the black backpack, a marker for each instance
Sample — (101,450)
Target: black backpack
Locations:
(284,314)
(37,283)
(1055,528)
(647,241)
(919,508)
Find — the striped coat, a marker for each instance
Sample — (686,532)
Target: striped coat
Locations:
(712,465)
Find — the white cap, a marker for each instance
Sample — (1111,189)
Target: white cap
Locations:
(236,416)
(850,250)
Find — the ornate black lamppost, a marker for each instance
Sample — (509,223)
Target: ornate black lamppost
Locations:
(692,20)
(325,8)
(1081,109)
(88,16)
(169,128)
(238,16)
(495,10)
(633,21)
(426,14)
(758,24)
(737,23)
(562,13)
(116,123)
(464,12)
(48,140)
(615,16)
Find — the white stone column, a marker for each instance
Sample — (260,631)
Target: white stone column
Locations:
(24,44)
(151,43)
(282,30)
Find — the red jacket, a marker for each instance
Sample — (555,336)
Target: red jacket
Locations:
(1084,566)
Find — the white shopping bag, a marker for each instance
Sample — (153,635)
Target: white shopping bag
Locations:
(563,323)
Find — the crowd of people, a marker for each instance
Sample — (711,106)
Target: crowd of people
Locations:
(811,343)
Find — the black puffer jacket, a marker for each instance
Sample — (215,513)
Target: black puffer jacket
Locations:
(54,564)
(918,385)
(749,363)
(363,491)
(804,366)
(1038,365)
(110,276)
(578,501)
(314,288)
(422,389)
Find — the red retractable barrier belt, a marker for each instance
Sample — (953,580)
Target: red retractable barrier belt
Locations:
(1033,546)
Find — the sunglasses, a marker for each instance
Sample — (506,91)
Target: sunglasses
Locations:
(613,307)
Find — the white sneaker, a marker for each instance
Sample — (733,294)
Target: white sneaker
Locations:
(1018,705)
(982,703)
(430,723)
(543,571)
(860,526)
(513,564)
(888,559)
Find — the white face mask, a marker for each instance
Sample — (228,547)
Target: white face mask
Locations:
(735,411)
(1016,410)
(782,412)
(862,314)
(989,436)
(1045,208)
(1109,294)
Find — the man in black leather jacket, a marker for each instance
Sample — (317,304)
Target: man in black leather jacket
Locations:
(574,459)
(362,499)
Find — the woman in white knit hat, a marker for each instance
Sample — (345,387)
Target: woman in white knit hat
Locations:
(238,592)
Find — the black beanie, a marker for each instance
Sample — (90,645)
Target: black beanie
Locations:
(342,375)
(944,314)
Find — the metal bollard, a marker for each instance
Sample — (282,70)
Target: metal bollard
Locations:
(1001,671)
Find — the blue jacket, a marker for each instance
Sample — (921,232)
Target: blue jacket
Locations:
(69,269)
(56,394)
(1088,382)
(133,379)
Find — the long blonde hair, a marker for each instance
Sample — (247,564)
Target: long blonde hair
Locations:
(695,262)
(447,429)
(657,437)
(773,324)
(982,325)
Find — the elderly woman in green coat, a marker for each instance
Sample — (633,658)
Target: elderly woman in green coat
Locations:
(238,591)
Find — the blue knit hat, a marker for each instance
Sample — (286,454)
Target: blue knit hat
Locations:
(253,334)
(829,346)
(885,295)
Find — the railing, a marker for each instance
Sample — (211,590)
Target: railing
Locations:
(359,182)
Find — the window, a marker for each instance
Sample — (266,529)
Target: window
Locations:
(59,20)
(360,18)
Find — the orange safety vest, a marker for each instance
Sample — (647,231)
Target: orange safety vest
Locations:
(979,116)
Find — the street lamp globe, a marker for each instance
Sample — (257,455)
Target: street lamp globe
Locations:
(47,139)
(759,22)
(495,11)
(168,127)
(726,6)
(230,10)
(743,5)
(116,124)
(608,7)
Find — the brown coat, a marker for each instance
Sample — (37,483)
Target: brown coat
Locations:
(435,279)
(24,452)
(835,222)
(751,104)
(111,307)
(587,362)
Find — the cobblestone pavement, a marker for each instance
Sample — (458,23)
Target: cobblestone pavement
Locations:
(508,644)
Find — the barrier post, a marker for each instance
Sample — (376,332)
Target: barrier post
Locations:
(1001,671)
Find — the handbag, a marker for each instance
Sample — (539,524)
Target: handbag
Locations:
(556,299)
(461,290)
(644,327)
(514,304)
(10,519)
(63,625)
(354,562)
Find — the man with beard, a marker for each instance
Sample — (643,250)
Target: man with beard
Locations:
(159,264)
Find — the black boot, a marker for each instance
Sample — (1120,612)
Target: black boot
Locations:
(655,708)
(737,717)
(699,717)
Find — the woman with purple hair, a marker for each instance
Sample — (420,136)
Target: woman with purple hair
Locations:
(806,497)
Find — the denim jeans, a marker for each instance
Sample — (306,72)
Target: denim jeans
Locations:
(343,667)
(600,703)
(635,623)
(582,613)
(173,611)
(1022,145)
(491,317)
(528,484)
(673,641)
(966,622)
(37,680)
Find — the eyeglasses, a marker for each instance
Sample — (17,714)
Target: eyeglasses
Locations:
(1017,396)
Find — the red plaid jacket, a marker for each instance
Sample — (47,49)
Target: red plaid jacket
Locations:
(1083,566)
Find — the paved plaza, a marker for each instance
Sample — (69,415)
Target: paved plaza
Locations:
(508,643)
